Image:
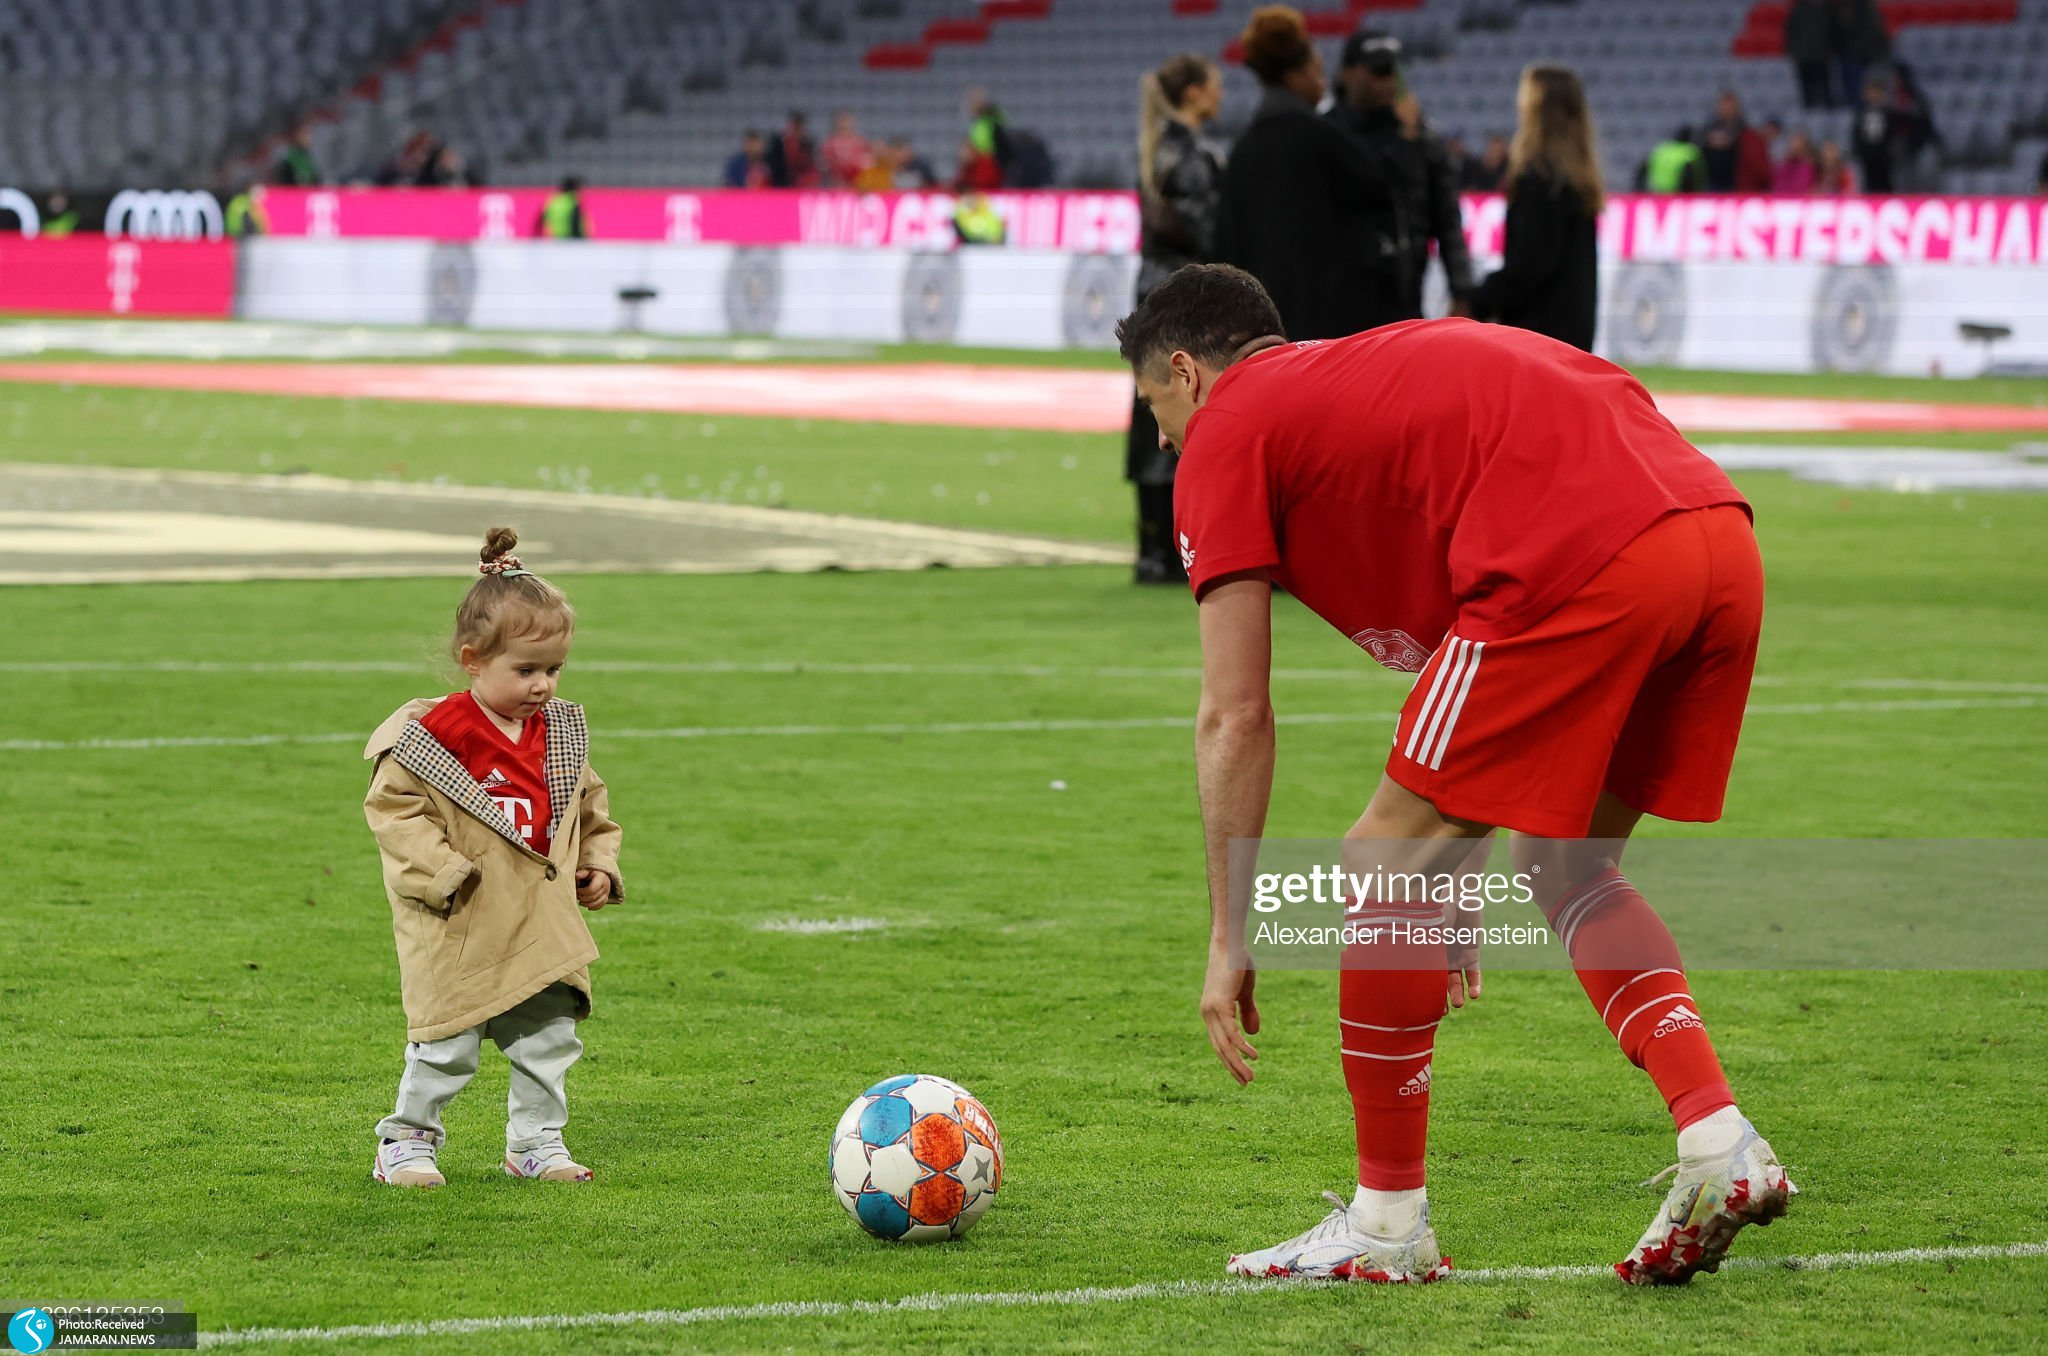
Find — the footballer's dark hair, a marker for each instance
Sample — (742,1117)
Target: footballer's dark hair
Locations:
(1208,311)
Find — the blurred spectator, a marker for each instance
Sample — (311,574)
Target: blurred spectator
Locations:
(977,171)
(410,161)
(1030,162)
(1549,280)
(908,169)
(245,213)
(1179,185)
(1458,153)
(1796,172)
(1376,106)
(296,167)
(60,218)
(561,217)
(447,170)
(1486,172)
(792,158)
(1674,165)
(988,131)
(748,167)
(1808,26)
(1874,135)
(1916,164)
(2041,175)
(976,221)
(1737,160)
(1306,209)
(1861,41)
(847,153)
(1831,174)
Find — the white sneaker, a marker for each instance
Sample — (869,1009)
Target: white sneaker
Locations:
(548,1162)
(1708,1205)
(1338,1249)
(408,1161)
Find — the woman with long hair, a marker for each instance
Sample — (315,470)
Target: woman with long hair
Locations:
(1178,182)
(1549,281)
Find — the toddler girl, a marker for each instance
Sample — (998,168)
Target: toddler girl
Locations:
(493,829)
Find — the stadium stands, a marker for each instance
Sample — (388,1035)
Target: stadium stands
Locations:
(658,91)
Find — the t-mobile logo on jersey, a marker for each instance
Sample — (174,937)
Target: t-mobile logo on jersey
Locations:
(518,810)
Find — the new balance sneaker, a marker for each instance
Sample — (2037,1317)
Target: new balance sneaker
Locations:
(548,1162)
(408,1161)
(1338,1249)
(1708,1205)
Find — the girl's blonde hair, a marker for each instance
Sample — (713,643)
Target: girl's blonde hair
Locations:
(1160,93)
(507,603)
(1554,134)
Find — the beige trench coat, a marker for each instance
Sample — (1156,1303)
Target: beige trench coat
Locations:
(482,921)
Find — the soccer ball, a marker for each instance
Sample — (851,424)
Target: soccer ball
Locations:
(916,1159)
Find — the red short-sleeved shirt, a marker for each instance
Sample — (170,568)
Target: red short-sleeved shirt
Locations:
(1425,471)
(513,775)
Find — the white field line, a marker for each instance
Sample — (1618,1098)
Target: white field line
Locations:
(964,727)
(1018,1299)
(894,670)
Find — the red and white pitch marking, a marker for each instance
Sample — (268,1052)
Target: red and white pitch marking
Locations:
(1048,399)
(1023,1299)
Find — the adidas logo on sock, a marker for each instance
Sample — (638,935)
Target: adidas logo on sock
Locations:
(1417,1085)
(1678,1019)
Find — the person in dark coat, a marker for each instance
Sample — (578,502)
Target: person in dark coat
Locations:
(1861,41)
(1549,281)
(1807,27)
(1306,209)
(1376,106)
(1179,184)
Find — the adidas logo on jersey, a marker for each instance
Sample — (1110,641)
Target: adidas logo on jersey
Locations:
(1678,1019)
(494,781)
(1187,552)
(1417,1085)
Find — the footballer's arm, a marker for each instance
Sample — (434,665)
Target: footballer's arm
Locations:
(1234,769)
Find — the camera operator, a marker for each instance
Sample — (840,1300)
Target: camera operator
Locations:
(1306,209)
(1375,105)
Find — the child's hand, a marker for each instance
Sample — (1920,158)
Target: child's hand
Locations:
(593,888)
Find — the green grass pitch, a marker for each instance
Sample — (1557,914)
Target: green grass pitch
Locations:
(201,1000)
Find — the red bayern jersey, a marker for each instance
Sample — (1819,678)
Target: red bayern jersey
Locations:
(1426,471)
(513,775)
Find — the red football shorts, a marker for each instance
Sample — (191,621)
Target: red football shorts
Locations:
(1636,685)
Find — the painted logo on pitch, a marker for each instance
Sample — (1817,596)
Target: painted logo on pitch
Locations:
(31,1330)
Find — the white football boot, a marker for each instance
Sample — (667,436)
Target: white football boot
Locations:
(548,1162)
(1708,1205)
(409,1161)
(1337,1249)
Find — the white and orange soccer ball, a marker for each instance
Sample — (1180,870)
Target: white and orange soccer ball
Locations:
(916,1159)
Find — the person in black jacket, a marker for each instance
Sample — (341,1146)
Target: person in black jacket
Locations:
(1306,209)
(1549,281)
(1375,105)
(1808,28)
(1179,181)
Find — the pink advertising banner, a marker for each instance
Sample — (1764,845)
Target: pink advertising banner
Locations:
(1073,223)
(1635,227)
(1838,231)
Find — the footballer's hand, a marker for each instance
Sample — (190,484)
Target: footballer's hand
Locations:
(1229,1011)
(593,888)
(1462,985)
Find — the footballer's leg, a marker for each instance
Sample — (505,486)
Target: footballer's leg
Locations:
(1391,996)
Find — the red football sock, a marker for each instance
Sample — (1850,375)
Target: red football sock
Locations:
(1630,968)
(1390,998)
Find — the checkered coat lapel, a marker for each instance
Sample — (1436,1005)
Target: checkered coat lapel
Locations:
(568,751)
(425,757)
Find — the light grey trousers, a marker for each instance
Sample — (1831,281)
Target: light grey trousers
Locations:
(539,1041)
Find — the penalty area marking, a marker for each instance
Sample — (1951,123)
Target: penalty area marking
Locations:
(1079,1297)
(961,727)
